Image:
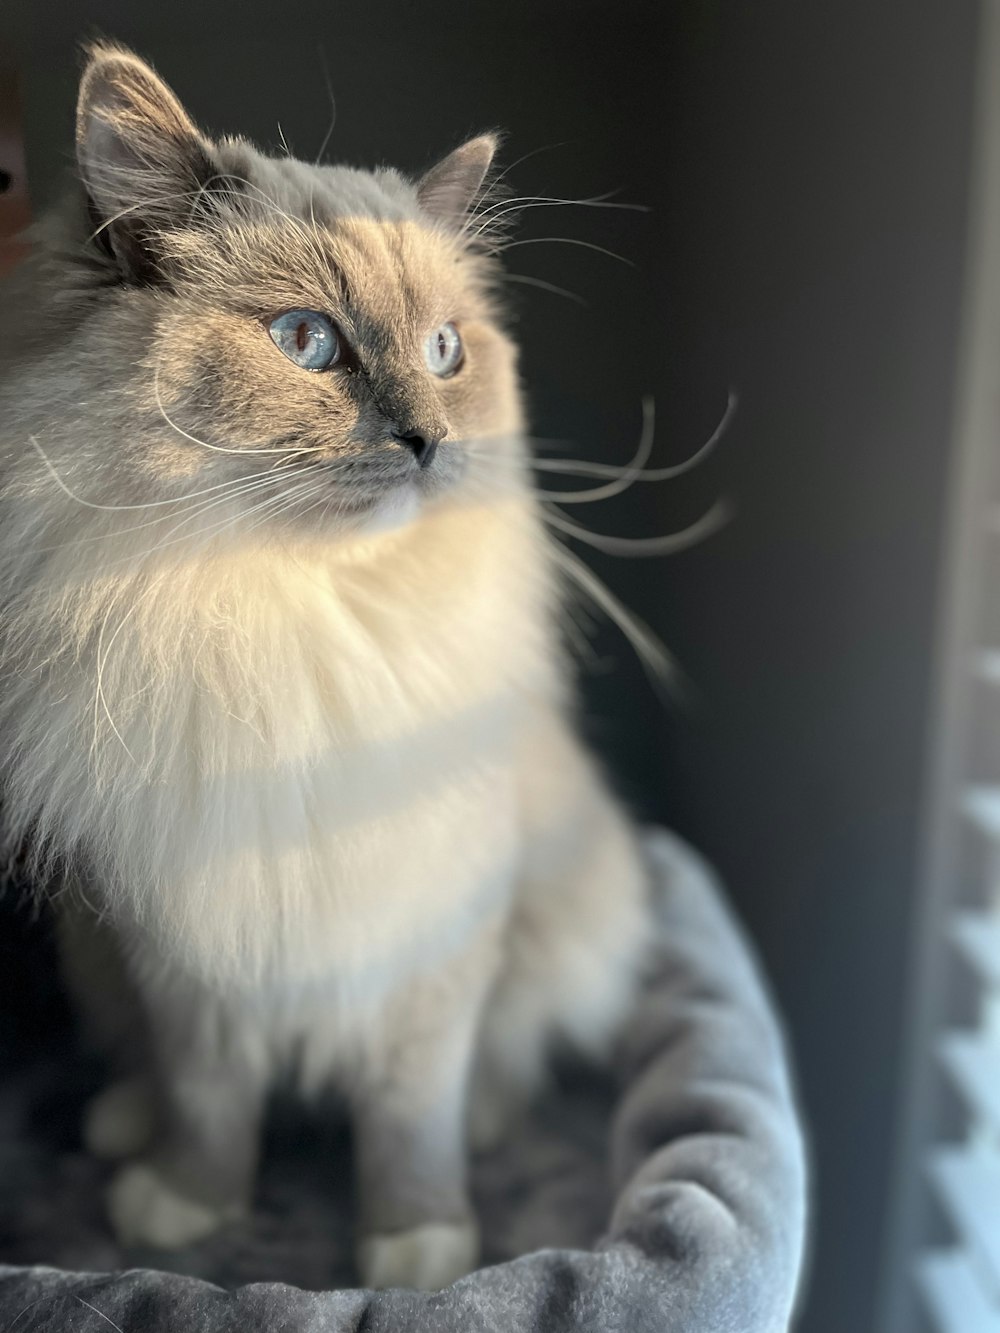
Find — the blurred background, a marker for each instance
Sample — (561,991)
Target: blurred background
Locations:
(822,237)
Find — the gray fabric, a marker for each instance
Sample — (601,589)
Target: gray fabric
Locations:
(706,1193)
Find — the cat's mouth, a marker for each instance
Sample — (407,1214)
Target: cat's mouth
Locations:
(366,504)
(375,487)
(373,479)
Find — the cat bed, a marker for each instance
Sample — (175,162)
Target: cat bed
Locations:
(669,1198)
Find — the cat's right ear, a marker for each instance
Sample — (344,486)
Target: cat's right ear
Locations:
(448,191)
(141,158)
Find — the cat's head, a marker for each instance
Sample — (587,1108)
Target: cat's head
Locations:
(262,323)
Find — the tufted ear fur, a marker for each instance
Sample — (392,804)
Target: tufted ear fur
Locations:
(449,190)
(141,158)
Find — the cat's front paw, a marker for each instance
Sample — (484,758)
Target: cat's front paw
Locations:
(119,1121)
(146,1210)
(427,1257)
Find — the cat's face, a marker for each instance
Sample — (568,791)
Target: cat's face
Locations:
(318,343)
(357,350)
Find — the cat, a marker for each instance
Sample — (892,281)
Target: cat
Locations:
(284,710)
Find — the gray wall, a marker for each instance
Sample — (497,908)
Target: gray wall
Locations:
(806,167)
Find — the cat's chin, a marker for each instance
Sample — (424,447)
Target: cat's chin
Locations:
(392,511)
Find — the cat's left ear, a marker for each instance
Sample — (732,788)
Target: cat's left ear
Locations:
(140,156)
(448,191)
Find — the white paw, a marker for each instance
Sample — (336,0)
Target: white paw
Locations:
(145,1210)
(119,1120)
(427,1257)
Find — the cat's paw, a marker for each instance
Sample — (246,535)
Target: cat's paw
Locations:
(427,1257)
(146,1210)
(119,1120)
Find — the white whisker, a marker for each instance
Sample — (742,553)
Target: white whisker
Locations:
(218,448)
(669,544)
(197,512)
(566,240)
(100,700)
(518,204)
(271,506)
(333,109)
(149,504)
(99,1312)
(215,530)
(545,286)
(629,473)
(657,661)
(145,203)
(30,1306)
(494,194)
(232,490)
(624,477)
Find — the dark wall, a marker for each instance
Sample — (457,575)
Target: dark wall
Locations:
(814,199)
(806,168)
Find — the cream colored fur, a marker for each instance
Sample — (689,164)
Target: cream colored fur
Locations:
(314,775)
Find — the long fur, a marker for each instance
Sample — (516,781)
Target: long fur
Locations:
(292,718)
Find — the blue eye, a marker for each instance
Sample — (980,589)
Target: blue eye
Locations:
(306,337)
(443,351)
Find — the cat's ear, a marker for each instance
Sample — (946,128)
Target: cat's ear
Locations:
(448,191)
(140,156)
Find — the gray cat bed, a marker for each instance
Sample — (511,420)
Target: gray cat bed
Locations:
(672,1199)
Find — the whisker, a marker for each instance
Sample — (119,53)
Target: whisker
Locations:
(100,699)
(625,476)
(273,504)
(545,148)
(254,482)
(215,530)
(218,448)
(281,504)
(30,1306)
(199,512)
(333,107)
(521,202)
(566,240)
(496,220)
(545,286)
(658,663)
(669,544)
(99,1312)
(496,192)
(148,504)
(142,204)
(309,240)
(628,473)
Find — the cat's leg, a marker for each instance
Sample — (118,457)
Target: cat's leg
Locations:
(417,1228)
(211,1074)
(577,935)
(119,1121)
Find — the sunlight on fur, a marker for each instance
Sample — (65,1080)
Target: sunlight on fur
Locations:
(287,721)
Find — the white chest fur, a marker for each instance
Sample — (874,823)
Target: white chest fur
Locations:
(287,764)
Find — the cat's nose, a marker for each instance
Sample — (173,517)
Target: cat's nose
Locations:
(423,444)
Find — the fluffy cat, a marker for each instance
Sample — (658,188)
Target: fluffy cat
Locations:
(283,705)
